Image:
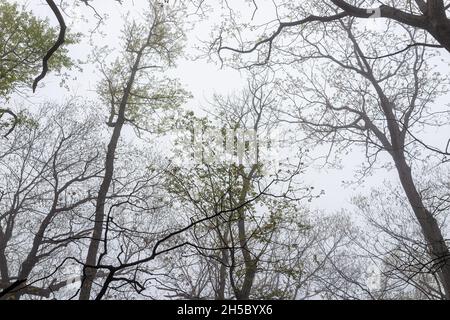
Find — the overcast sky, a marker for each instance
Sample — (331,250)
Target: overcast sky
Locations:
(202,79)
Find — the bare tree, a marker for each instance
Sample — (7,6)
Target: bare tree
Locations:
(45,180)
(128,87)
(293,20)
(377,111)
(268,248)
(396,245)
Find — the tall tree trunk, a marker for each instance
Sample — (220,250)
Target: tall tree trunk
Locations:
(91,257)
(90,271)
(4,274)
(250,264)
(438,248)
(220,294)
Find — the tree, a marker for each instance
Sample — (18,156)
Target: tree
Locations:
(268,248)
(131,87)
(47,171)
(25,39)
(293,20)
(395,244)
(378,111)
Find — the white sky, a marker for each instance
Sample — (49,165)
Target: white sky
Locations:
(202,79)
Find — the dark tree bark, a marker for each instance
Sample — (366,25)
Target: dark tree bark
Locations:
(90,270)
(99,217)
(390,122)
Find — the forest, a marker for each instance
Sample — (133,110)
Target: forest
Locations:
(224,150)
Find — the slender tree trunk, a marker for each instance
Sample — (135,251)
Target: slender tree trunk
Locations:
(430,228)
(249,262)
(220,295)
(91,258)
(4,274)
(438,249)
